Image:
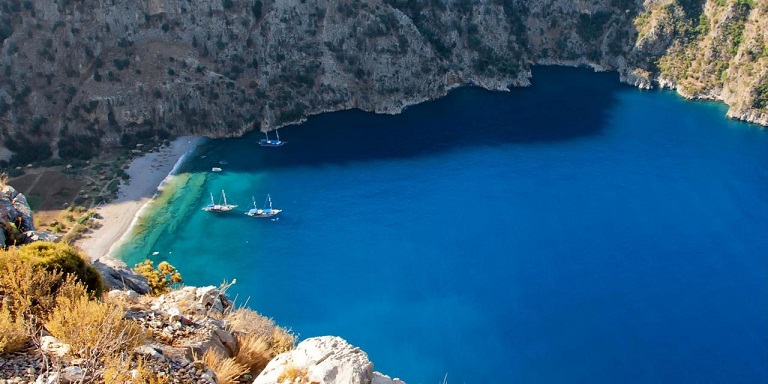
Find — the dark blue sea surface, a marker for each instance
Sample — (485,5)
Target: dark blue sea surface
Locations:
(577,231)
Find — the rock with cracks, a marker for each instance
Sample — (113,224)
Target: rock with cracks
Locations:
(323,360)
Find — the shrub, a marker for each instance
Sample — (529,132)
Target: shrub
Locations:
(28,289)
(94,329)
(160,279)
(28,151)
(75,233)
(592,26)
(121,64)
(761,95)
(13,235)
(228,371)
(82,147)
(6,29)
(117,370)
(256,9)
(253,351)
(259,340)
(13,335)
(58,256)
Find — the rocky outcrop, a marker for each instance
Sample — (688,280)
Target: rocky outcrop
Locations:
(182,326)
(86,73)
(203,307)
(323,360)
(185,323)
(42,236)
(116,274)
(15,216)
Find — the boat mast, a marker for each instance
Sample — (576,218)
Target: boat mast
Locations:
(224,196)
(212,201)
(270,201)
(278,135)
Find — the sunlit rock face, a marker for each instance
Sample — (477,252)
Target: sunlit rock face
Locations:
(78,75)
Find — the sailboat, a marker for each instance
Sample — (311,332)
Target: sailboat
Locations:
(213,207)
(266,212)
(271,143)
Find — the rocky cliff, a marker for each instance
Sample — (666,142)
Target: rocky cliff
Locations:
(181,328)
(15,216)
(78,74)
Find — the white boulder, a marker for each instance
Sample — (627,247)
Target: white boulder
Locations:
(322,360)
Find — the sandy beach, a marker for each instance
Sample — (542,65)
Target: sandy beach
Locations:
(147,175)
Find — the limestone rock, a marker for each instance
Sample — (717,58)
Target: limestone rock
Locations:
(15,210)
(216,338)
(192,300)
(72,374)
(208,69)
(380,378)
(23,213)
(149,351)
(42,236)
(192,305)
(127,296)
(116,274)
(324,360)
(53,347)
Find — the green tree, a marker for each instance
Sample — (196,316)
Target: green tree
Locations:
(160,279)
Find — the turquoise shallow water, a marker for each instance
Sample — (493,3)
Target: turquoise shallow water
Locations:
(575,231)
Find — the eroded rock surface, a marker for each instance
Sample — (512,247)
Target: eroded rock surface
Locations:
(323,360)
(81,74)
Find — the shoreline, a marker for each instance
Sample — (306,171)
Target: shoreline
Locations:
(148,174)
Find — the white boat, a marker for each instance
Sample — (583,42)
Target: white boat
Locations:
(215,169)
(265,212)
(271,143)
(224,207)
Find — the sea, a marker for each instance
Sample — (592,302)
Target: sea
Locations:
(575,231)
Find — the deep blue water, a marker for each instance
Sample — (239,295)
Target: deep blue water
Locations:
(575,231)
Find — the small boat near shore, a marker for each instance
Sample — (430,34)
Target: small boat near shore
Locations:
(265,212)
(222,207)
(215,169)
(271,143)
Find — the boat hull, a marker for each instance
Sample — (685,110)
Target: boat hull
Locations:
(274,212)
(271,143)
(219,208)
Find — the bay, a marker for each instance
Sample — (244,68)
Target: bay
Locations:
(578,230)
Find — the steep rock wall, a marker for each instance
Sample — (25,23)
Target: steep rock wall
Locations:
(78,74)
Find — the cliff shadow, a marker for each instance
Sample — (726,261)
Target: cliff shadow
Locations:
(562,104)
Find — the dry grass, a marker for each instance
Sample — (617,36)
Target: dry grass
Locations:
(28,289)
(228,371)
(13,333)
(246,320)
(117,370)
(94,329)
(293,374)
(253,352)
(259,339)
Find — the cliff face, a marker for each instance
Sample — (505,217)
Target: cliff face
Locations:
(85,73)
(15,216)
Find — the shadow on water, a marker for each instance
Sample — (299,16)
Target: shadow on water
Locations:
(559,106)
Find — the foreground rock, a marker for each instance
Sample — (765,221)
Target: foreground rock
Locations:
(15,216)
(117,274)
(182,326)
(323,360)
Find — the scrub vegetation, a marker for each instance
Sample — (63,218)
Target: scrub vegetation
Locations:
(49,288)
